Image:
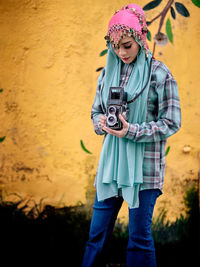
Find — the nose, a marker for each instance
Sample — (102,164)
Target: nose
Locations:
(122,52)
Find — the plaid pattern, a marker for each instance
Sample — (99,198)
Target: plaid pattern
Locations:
(163,120)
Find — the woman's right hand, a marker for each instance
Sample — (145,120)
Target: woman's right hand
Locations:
(102,121)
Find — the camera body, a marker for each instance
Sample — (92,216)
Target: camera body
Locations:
(117,104)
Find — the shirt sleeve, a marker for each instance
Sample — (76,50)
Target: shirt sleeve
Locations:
(97,110)
(168,119)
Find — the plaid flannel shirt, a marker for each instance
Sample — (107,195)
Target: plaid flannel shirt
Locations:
(163,120)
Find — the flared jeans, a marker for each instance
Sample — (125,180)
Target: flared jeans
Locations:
(140,249)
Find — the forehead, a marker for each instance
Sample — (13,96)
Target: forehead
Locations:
(126,40)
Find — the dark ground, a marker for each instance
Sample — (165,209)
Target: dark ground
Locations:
(57,237)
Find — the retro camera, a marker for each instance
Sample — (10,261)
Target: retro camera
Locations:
(117,104)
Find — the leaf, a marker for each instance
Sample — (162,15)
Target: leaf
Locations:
(149,35)
(84,148)
(99,69)
(103,52)
(169,30)
(2,139)
(167,151)
(173,12)
(152,4)
(181,9)
(1,90)
(196,3)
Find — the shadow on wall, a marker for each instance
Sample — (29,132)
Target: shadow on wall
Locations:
(57,236)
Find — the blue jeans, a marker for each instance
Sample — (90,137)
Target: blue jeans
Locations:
(140,249)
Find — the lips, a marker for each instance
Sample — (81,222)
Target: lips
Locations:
(125,58)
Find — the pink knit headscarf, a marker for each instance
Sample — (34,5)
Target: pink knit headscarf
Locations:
(128,21)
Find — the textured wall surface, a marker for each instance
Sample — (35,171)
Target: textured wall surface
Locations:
(49,52)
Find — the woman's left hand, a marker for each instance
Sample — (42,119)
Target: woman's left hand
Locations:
(120,133)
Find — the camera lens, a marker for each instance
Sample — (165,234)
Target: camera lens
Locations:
(111,120)
(112,110)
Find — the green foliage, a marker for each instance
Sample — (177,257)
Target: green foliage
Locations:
(165,232)
(152,5)
(149,35)
(167,151)
(104,52)
(173,13)
(56,237)
(1,90)
(191,201)
(178,240)
(84,148)
(2,139)
(169,30)
(181,9)
(99,69)
(196,2)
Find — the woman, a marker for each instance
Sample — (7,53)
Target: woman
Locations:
(132,161)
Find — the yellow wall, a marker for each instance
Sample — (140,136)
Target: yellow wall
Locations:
(49,52)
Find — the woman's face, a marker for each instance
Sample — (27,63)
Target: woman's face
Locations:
(127,50)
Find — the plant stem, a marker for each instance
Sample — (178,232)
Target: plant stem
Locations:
(154,48)
(162,15)
(149,23)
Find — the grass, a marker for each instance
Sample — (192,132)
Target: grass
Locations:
(57,236)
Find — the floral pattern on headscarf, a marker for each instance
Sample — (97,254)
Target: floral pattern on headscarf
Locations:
(128,21)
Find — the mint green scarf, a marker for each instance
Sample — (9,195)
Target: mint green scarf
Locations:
(121,160)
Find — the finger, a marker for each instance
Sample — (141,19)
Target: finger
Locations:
(108,130)
(103,119)
(102,122)
(122,120)
(113,132)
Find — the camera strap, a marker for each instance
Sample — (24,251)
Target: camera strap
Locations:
(132,100)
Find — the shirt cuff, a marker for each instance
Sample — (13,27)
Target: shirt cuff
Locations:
(97,126)
(132,130)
